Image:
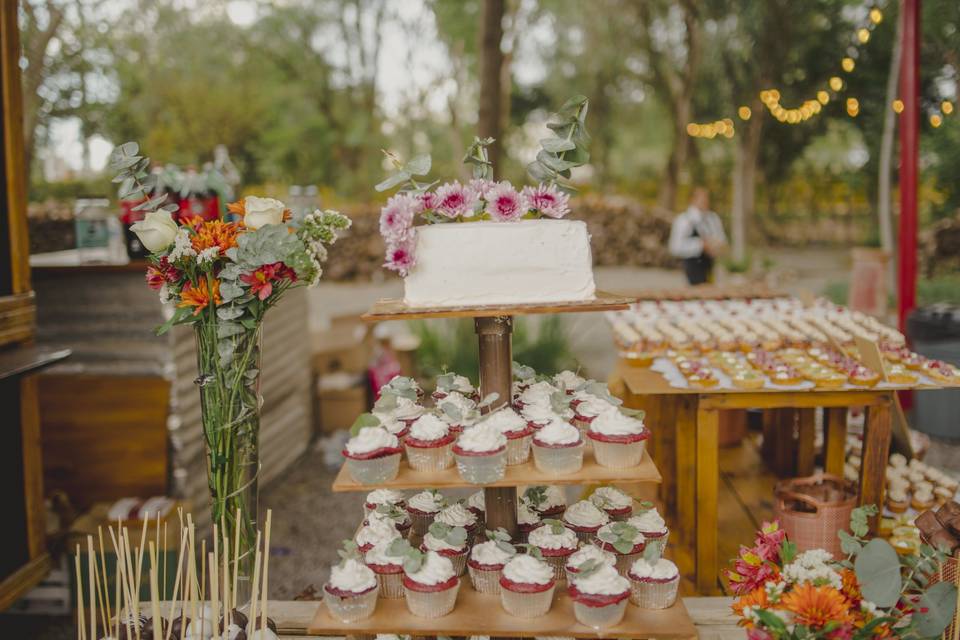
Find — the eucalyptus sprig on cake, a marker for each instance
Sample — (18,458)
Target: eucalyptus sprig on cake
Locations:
(221,277)
(502,538)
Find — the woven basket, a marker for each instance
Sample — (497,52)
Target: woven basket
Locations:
(949,571)
(813,509)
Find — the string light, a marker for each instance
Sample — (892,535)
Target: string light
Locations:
(853,107)
(836,83)
(876,16)
(936,120)
(823,97)
(848,64)
(711,130)
(863,35)
(744,112)
(947,107)
(897,106)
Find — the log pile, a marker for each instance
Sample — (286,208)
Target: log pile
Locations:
(940,247)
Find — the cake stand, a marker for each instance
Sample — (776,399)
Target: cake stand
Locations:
(476,613)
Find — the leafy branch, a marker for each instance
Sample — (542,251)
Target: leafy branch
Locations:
(477,156)
(567,148)
(417,166)
(133,174)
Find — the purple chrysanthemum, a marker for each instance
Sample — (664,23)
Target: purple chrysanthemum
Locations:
(400,256)
(453,200)
(548,200)
(504,204)
(396,217)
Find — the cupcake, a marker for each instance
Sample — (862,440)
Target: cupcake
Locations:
(374,533)
(351,592)
(547,500)
(538,393)
(451,382)
(538,416)
(618,440)
(922,500)
(456,515)
(556,544)
(624,541)
(599,596)
(588,553)
(402,386)
(897,501)
(388,569)
(392,407)
(397,427)
(449,542)
(477,505)
(378,497)
(517,432)
(373,456)
(423,508)
(558,448)
(585,519)
(487,560)
(614,502)
(393,515)
(458,411)
(653,585)
(527,520)
(651,524)
(430,587)
(481,453)
(526,587)
(586,408)
(429,444)
(568,381)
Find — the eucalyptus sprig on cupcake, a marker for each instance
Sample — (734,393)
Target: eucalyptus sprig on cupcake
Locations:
(458,515)
(453,383)
(556,543)
(430,582)
(372,452)
(547,500)
(423,507)
(614,502)
(622,539)
(449,542)
(487,560)
(397,409)
(393,514)
(654,580)
(351,592)
(588,552)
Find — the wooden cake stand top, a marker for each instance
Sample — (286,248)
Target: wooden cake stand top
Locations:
(397,309)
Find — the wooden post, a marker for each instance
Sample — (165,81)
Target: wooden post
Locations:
(805,441)
(834,440)
(496,376)
(686,465)
(708,478)
(909,156)
(876,450)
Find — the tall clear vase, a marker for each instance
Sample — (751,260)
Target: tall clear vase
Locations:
(228,362)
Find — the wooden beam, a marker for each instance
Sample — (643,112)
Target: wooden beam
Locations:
(835,440)
(797,399)
(805,441)
(686,457)
(708,477)
(876,450)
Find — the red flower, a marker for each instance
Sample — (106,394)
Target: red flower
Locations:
(161,273)
(750,571)
(758,634)
(261,280)
(769,539)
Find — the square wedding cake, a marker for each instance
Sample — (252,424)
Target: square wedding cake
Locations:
(501,263)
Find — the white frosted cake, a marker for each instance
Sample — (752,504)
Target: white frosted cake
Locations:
(487,263)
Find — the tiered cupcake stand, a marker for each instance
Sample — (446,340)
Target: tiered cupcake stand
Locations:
(476,613)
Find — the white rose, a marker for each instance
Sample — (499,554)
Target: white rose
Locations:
(261,211)
(156,231)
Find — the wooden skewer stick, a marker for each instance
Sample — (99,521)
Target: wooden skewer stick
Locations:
(91,572)
(134,580)
(103,570)
(192,569)
(176,586)
(236,555)
(123,585)
(154,592)
(256,583)
(214,596)
(228,612)
(163,561)
(100,593)
(118,590)
(81,622)
(139,574)
(203,585)
(266,571)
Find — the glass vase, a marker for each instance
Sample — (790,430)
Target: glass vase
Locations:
(228,362)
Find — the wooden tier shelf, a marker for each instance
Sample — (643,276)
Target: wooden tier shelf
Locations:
(517,475)
(396,309)
(477,613)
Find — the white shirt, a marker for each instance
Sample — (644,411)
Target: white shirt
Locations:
(683,244)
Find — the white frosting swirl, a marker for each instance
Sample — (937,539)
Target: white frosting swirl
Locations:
(614,423)
(542,414)
(384,496)
(352,575)
(379,555)
(432,543)
(371,439)
(610,498)
(463,404)
(435,570)
(429,427)
(406,409)
(594,406)
(456,515)
(553,497)
(376,516)
(558,432)
(426,501)
(506,420)
(526,569)
(489,553)
(526,515)
(605,581)
(393,425)
(538,393)
(544,538)
(662,570)
(482,438)
(568,380)
(650,521)
(585,514)
(477,501)
(591,552)
(377,532)
(462,384)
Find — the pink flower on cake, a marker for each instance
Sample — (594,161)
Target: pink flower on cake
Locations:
(548,200)
(453,200)
(400,256)
(504,204)
(396,217)
(481,187)
(426,201)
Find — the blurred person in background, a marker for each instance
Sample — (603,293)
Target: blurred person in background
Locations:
(697,238)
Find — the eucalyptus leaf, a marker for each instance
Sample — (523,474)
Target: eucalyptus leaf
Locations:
(623,546)
(228,329)
(363,421)
(878,571)
(540,172)
(392,181)
(229,312)
(418,165)
(557,145)
(849,544)
(937,606)
(554,163)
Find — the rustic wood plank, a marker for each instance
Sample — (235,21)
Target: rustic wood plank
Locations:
(774,399)
(785,442)
(834,439)
(805,441)
(874,455)
(20,360)
(708,475)
(666,424)
(23,579)
(686,464)
(396,309)
(32,467)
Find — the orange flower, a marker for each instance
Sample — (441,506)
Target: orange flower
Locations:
(816,606)
(198,295)
(216,233)
(237,208)
(755,598)
(851,586)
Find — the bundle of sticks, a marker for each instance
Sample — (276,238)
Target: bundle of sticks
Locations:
(201,603)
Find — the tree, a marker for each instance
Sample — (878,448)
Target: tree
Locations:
(489,119)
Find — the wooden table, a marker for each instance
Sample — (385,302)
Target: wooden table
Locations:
(685,425)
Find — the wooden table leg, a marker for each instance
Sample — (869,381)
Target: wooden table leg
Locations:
(834,440)
(805,441)
(708,477)
(876,450)
(686,465)
(666,424)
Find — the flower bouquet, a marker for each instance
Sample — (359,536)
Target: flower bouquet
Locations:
(872,592)
(221,276)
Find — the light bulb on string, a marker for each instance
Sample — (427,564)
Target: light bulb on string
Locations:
(848,64)
(823,97)
(947,107)
(693,129)
(863,35)
(897,106)
(876,16)
(836,83)
(936,120)
(744,112)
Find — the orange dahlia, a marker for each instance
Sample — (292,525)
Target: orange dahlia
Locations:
(755,598)
(816,606)
(198,295)
(851,586)
(216,233)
